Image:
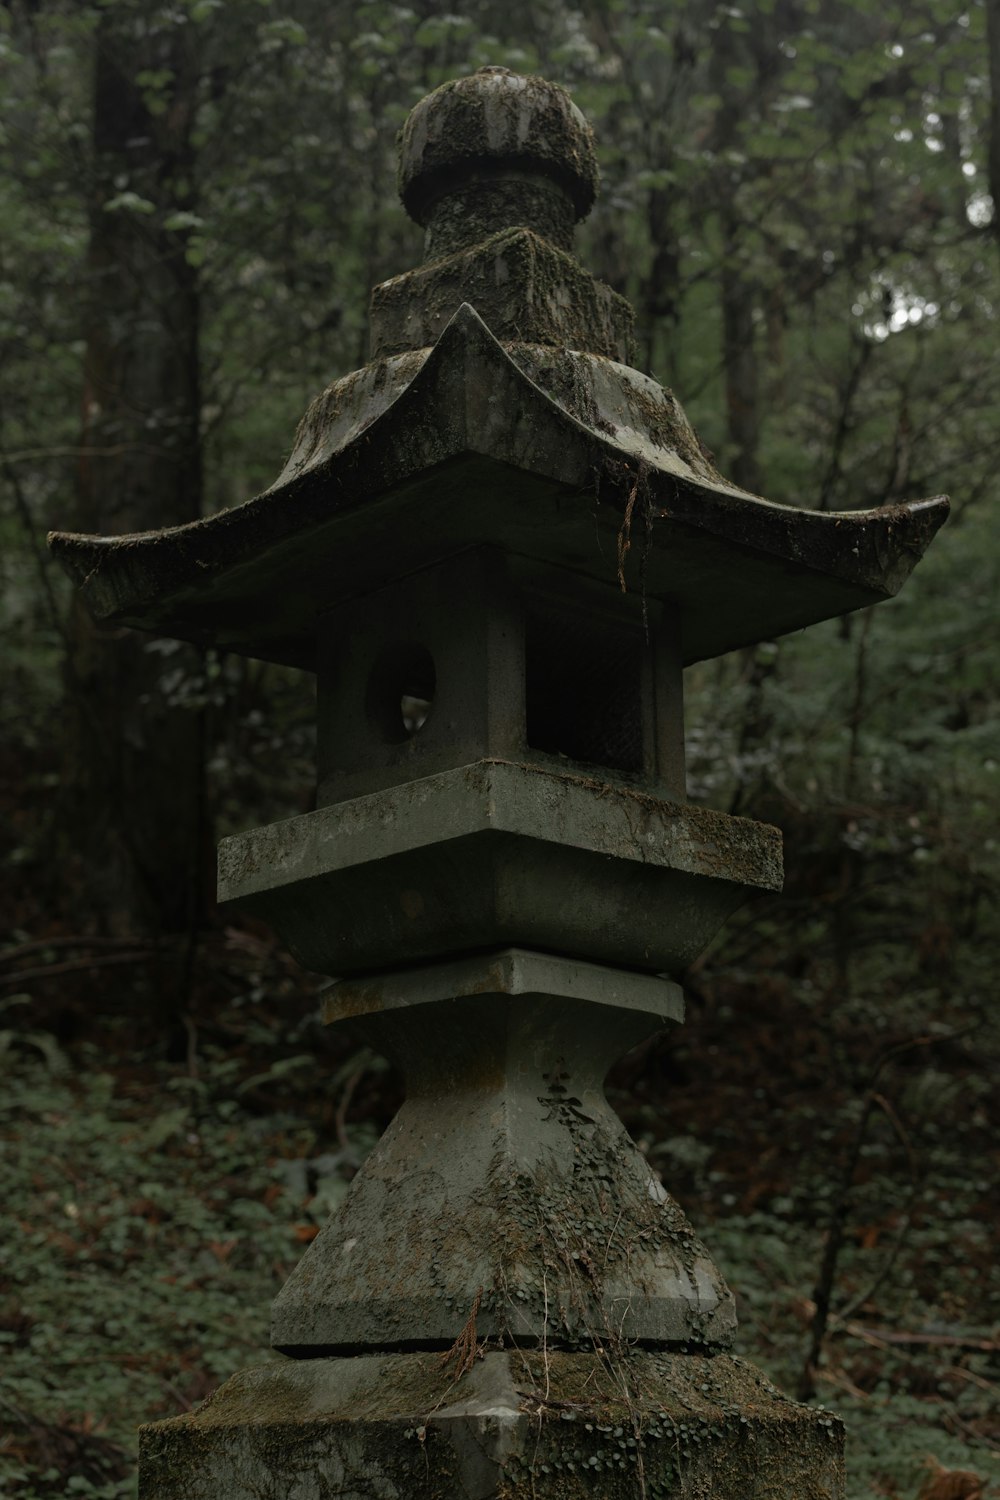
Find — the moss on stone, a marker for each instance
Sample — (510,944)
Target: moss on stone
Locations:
(524,288)
(625,1424)
(499,118)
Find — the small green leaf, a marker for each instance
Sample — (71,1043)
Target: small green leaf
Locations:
(128,202)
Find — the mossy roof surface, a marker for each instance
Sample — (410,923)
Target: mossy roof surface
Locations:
(463,447)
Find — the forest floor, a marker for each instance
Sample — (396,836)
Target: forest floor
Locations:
(157,1192)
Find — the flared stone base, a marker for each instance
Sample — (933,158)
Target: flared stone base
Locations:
(506,1190)
(506,1425)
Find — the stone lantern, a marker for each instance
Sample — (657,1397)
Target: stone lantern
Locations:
(497,546)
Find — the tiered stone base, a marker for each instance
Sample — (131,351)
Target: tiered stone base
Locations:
(506,1425)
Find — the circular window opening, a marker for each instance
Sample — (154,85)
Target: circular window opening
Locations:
(400,692)
(415,711)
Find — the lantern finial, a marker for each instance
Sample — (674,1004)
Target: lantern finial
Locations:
(496,151)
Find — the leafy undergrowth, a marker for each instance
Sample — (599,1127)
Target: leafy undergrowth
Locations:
(154,1208)
(755,1115)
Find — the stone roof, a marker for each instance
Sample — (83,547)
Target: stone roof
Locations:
(498,408)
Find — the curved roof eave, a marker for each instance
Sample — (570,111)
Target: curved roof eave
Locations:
(472,451)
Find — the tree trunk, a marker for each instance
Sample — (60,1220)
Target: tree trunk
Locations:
(132,820)
(739,293)
(993,36)
(739,353)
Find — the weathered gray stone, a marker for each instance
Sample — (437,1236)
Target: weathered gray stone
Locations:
(499,168)
(621,1425)
(490,128)
(509,971)
(427,453)
(505,1182)
(499,853)
(524,289)
(542,670)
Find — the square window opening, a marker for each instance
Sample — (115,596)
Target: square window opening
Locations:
(583,690)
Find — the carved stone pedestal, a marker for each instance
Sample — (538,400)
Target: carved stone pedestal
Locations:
(619,1425)
(506,1190)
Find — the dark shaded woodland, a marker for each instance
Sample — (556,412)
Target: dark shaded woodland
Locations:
(799,198)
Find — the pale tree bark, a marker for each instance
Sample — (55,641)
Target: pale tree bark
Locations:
(132,817)
(741,360)
(740,296)
(993,38)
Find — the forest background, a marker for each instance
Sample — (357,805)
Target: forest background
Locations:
(799,201)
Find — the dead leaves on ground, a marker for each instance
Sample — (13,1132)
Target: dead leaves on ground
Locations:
(949,1484)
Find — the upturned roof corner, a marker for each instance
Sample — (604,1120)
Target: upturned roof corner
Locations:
(498,408)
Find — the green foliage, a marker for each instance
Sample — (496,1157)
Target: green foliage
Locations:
(750,1111)
(150,1222)
(155,1210)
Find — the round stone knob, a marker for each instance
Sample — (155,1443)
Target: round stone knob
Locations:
(496,151)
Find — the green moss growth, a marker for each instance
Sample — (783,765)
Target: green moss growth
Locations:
(630,1423)
(524,289)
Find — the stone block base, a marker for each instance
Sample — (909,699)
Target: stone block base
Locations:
(514,1425)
